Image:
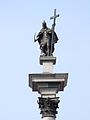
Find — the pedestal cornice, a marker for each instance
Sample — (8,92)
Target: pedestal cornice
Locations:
(56,80)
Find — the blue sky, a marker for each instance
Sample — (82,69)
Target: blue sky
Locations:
(19,56)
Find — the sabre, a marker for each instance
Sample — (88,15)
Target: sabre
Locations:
(35,38)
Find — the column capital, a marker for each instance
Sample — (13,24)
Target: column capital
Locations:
(48,106)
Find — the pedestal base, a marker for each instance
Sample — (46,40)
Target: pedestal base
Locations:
(47,59)
(47,62)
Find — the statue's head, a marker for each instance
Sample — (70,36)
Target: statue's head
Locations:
(44,24)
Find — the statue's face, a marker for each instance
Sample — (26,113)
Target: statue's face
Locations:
(44,25)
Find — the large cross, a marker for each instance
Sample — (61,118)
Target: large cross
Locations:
(54,17)
(53,27)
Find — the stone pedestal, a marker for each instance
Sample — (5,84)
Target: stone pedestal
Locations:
(48,118)
(48,84)
(47,63)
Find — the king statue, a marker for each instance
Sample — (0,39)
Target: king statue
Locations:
(47,38)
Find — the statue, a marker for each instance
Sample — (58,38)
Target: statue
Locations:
(47,37)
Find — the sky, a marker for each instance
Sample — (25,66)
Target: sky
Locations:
(19,56)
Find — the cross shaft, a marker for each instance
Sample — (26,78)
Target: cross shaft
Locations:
(53,27)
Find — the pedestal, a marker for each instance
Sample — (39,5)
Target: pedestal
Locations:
(48,84)
(47,62)
(48,118)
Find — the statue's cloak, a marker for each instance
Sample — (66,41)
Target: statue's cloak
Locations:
(49,34)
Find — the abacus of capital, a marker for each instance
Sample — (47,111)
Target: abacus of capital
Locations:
(48,83)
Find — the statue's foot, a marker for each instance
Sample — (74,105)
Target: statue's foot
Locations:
(51,54)
(42,54)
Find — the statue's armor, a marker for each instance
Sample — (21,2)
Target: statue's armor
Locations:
(44,38)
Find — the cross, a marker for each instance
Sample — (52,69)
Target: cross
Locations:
(54,17)
(53,27)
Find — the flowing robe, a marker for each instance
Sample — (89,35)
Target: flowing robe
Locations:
(44,39)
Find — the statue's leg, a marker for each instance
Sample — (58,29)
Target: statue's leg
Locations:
(41,48)
(48,48)
(44,48)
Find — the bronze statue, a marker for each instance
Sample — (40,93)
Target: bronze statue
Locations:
(47,37)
